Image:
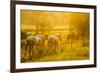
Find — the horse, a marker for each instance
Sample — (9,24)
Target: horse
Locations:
(53,42)
(34,45)
(72,37)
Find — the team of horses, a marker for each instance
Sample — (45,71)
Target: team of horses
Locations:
(39,41)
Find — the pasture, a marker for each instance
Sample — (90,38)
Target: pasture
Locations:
(54,36)
(70,50)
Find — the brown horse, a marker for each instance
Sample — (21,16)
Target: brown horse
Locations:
(72,37)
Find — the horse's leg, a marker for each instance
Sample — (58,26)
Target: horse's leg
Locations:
(25,49)
(71,42)
(47,51)
(30,52)
(57,48)
(49,46)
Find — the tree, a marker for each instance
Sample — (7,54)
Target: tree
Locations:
(80,22)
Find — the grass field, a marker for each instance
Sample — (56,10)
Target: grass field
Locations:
(64,52)
(69,54)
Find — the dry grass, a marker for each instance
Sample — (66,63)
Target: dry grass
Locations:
(64,53)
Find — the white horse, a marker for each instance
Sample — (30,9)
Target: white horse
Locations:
(53,41)
(33,45)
